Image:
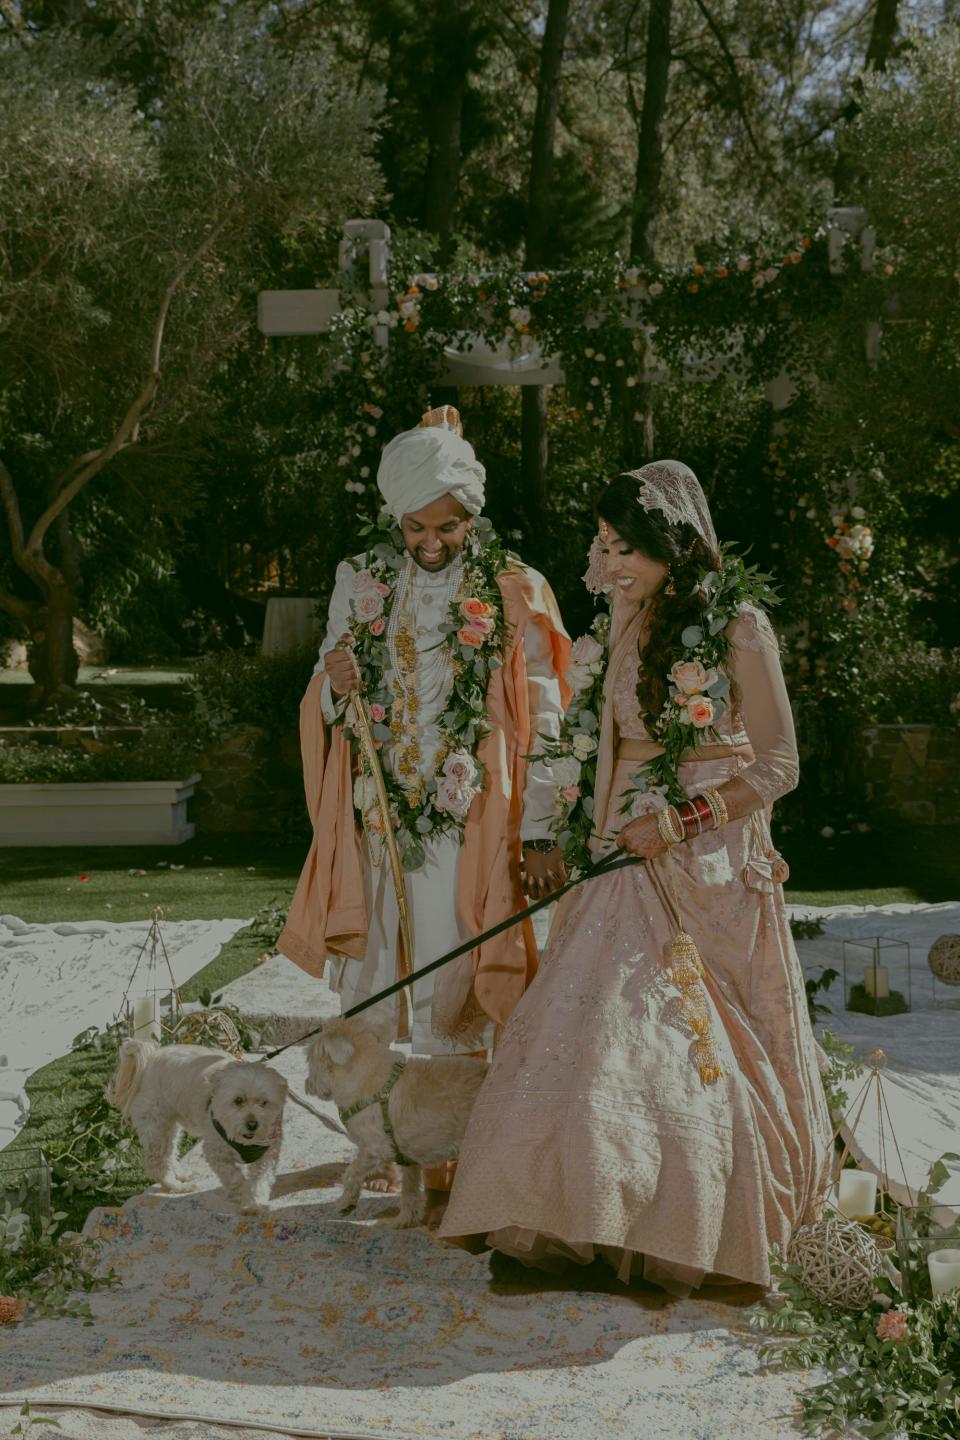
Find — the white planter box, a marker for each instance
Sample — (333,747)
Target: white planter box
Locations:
(122,812)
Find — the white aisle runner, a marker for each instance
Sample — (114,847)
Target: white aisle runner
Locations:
(58,980)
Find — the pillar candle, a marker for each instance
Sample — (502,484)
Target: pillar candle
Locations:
(857,1192)
(944,1267)
(881,976)
(146,1017)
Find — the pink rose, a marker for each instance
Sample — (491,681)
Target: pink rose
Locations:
(700,711)
(481,625)
(469,636)
(367,606)
(571,793)
(892,1326)
(378,626)
(382,589)
(691,677)
(377,712)
(586,651)
(12,1309)
(461,767)
(363,580)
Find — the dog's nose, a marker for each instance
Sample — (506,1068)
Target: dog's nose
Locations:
(250,1124)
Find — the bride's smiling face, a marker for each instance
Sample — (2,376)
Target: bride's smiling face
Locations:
(631,573)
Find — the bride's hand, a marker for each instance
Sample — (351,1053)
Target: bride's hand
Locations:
(641,837)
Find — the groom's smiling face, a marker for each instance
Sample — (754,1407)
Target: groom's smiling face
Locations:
(435,535)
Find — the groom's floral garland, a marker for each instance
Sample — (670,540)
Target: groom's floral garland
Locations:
(697,697)
(474,633)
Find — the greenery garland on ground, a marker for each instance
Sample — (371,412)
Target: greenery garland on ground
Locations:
(475,636)
(893,1365)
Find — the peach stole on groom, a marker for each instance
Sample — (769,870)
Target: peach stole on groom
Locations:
(328,913)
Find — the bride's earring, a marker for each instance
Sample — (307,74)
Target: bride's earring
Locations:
(669,588)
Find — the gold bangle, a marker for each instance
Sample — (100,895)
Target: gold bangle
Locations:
(718,807)
(670,833)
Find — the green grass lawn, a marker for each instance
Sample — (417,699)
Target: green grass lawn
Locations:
(223,877)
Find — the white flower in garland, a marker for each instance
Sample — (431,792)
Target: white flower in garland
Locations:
(566,770)
(584,745)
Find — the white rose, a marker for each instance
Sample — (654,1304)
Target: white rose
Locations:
(566,771)
(363,580)
(579,678)
(586,650)
(367,606)
(584,746)
(453,798)
(858,512)
(364,793)
(691,677)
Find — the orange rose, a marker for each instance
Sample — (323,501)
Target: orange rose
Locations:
(700,711)
(475,609)
(469,636)
(693,287)
(698,269)
(722,272)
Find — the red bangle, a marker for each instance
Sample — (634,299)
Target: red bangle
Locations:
(692,824)
(702,806)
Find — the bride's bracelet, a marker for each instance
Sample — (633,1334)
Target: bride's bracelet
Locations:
(670,825)
(706,810)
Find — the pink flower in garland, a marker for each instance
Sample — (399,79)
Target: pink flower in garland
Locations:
(378,626)
(892,1326)
(571,793)
(377,712)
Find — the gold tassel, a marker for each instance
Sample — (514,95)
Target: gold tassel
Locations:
(686,972)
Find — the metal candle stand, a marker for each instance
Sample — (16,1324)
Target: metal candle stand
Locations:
(872,995)
(154,947)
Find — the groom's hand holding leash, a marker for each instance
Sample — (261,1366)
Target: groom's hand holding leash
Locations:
(543,871)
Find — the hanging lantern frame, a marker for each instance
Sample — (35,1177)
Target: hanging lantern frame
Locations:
(154,948)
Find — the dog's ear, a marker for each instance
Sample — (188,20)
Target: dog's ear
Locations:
(339,1048)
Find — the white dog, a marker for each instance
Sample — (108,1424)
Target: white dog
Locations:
(410,1112)
(235,1107)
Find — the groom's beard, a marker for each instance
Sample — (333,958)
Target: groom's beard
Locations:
(434,557)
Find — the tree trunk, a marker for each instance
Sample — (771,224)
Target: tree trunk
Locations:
(533,424)
(51,658)
(444,121)
(638,434)
(649,171)
(882,34)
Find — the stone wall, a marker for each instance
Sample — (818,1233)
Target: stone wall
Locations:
(913,772)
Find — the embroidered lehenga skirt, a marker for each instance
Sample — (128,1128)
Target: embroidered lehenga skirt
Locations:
(594,1133)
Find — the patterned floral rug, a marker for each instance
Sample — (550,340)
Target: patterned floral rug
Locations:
(309,1324)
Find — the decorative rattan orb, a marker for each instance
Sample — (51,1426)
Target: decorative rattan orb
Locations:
(839,1262)
(209,1027)
(944,959)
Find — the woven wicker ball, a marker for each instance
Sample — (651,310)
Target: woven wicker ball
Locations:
(839,1262)
(209,1027)
(944,959)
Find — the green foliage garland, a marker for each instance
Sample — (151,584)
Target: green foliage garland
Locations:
(475,636)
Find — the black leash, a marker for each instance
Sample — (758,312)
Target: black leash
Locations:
(602,867)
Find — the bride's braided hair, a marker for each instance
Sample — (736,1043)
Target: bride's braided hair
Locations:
(687,557)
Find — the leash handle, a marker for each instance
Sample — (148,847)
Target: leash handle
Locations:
(602,867)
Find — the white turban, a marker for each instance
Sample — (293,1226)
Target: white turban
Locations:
(419,466)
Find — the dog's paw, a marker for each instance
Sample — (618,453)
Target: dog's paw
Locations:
(346,1207)
(175,1187)
(400,1221)
(252,1208)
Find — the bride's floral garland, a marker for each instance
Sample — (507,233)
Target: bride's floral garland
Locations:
(474,636)
(697,698)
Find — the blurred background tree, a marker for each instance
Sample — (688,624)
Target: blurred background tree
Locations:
(551,134)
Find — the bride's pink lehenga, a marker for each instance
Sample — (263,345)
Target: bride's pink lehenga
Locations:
(593,1132)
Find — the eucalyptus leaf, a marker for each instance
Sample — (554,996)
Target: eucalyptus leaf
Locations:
(424,824)
(588,721)
(718,623)
(691,637)
(382,732)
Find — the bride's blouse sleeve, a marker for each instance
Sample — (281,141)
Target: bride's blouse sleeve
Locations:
(764,706)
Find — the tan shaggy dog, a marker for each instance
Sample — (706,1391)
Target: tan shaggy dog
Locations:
(427,1107)
(234,1106)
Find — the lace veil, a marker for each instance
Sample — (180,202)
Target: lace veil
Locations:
(672,488)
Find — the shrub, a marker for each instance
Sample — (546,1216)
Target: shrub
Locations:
(920,686)
(162,755)
(232,688)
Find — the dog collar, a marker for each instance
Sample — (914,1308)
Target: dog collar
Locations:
(248,1153)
